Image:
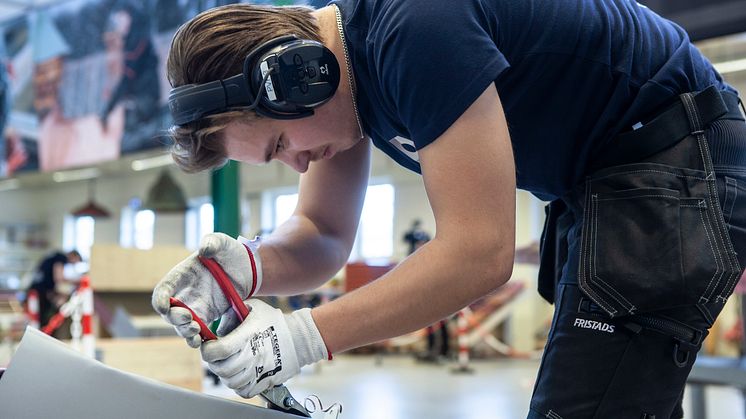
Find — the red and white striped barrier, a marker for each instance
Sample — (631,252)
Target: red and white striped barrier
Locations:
(86,294)
(463,345)
(80,310)
(32,308)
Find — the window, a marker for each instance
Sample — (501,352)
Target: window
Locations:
(200,220)
(144,225)
(284,207)
(78,235)
(136,226)
(376,232)
(206,219)
(375,237)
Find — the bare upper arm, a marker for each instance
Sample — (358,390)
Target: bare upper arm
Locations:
(332,192)
(469,175)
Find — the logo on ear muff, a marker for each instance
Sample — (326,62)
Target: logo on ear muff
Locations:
(284,78)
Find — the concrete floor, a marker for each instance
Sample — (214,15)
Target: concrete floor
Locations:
(400,388)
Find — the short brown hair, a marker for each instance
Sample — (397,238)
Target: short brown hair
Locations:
(212,46)
(74,254)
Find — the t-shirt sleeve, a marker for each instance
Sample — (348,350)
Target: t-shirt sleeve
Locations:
(436,59)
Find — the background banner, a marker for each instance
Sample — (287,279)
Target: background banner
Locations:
(83,81)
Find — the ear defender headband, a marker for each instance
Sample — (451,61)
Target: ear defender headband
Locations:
(284,78)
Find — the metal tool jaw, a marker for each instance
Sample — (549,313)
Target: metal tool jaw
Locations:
(279,398)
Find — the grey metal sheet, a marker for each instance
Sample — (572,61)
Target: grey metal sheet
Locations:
(47,379)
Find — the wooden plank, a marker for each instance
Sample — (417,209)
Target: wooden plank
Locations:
(114,268)
(167,359)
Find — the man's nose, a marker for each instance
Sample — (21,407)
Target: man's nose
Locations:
(297,161)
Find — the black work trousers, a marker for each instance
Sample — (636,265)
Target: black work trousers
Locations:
(639,262)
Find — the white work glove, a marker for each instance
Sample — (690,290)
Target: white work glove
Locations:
(191,283)
(267,349)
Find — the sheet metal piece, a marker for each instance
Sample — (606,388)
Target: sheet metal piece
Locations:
(47,379)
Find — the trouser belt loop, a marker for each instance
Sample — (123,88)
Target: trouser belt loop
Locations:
(692,113)
(684,350)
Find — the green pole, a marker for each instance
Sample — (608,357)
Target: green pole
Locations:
(226,191)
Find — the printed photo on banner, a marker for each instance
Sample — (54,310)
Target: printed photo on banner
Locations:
(83,81)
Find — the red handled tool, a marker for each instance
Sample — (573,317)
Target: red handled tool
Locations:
(278,397)
(204,330)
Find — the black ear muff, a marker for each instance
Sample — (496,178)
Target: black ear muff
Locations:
(284,78)
(191,102)
(303,74)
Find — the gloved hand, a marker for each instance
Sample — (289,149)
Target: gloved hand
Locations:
(192,283)
(267,349)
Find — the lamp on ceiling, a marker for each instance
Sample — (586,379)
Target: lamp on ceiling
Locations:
(91,208)
(166,195)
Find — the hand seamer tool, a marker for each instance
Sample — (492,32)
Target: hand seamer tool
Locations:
(278,397)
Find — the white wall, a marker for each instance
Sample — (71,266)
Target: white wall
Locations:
(20,206)
(50,204)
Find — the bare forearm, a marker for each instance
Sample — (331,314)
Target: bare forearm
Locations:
(298,257)
(314,244)
(426,287)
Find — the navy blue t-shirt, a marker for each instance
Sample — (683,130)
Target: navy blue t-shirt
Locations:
(570,74)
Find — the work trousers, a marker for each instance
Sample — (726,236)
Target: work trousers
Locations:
(639,261)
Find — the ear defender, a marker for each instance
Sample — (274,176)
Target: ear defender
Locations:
(284,78)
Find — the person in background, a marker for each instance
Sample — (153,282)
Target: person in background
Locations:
(415,237)
(48,276)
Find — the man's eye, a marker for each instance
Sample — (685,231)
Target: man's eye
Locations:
(280,145)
